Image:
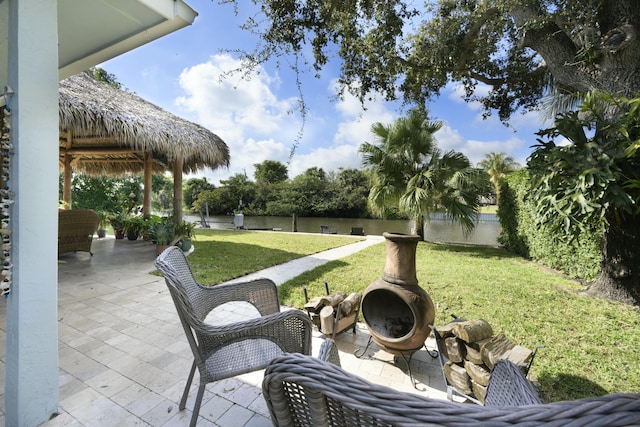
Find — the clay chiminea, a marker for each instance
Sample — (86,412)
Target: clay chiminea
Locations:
(395,308)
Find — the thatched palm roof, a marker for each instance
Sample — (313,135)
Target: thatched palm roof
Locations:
(107,131)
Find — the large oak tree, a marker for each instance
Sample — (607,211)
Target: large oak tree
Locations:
(520,49)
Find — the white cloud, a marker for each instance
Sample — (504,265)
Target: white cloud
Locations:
(257,125)
(530,120)
(518,120)
(448,138)
(353,128)
(245,113)
(327,158)
(475,149)
(457,94)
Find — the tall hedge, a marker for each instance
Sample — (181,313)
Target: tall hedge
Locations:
(522,234)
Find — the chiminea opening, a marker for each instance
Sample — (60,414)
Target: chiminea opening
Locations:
(395,308)
(387,314)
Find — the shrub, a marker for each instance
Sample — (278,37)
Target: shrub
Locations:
(579,257)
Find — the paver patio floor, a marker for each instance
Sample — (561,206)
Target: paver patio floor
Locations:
(124,359)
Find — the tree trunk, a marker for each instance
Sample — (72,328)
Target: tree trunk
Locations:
(616,68)
(418,226)
(620,276)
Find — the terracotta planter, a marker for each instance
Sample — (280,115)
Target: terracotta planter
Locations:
(161,248)
(119,234)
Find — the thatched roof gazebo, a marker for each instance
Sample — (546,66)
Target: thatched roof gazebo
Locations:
(108,131)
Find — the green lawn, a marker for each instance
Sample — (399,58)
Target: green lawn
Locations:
(590,344)
(226,254)
(489,209)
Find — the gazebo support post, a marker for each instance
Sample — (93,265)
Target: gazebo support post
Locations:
(68,172)
(177,189)
(66,190)
(147,180)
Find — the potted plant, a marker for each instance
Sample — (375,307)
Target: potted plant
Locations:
(148,221)
(184,231)
(102,225)
(117,223)
(133,227)
(163,233)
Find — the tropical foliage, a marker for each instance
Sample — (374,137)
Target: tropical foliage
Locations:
(192,188)
(513,51)
(498,165)
(594,181)
(104,193)
(522,233)
(313,193)
(162,193)
(411,174)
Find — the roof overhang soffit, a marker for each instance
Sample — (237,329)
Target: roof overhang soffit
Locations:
(93,31)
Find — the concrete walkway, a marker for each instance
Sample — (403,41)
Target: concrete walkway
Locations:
(287,271)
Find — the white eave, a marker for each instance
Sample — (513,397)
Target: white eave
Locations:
(93,31)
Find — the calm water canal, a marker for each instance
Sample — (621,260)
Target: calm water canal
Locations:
(438,230)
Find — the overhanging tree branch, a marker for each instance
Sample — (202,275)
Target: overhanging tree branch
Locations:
(470,38)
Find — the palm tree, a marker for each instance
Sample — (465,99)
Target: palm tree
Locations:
(410,172)
(497,166)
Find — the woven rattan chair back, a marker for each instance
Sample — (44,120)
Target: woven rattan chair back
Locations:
(75,230)
(509,387)
(183,286)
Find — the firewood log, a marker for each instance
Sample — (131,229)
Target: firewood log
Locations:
(458,377)
(496,349)
(327,320)
(474,351)
(454,349)
(350,304)
(317,303)
(519,355)
(478,373)
(472,330)
(447,330)
(479,391)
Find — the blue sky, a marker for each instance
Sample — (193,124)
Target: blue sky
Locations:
(258,117)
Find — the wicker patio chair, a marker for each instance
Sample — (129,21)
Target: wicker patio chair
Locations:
(75,230)
(224,351)
(509,387)
(329,352)
(305,391)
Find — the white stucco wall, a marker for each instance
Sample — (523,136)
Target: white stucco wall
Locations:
(31,370)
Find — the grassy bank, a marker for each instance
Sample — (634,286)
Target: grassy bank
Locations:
(590,344)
